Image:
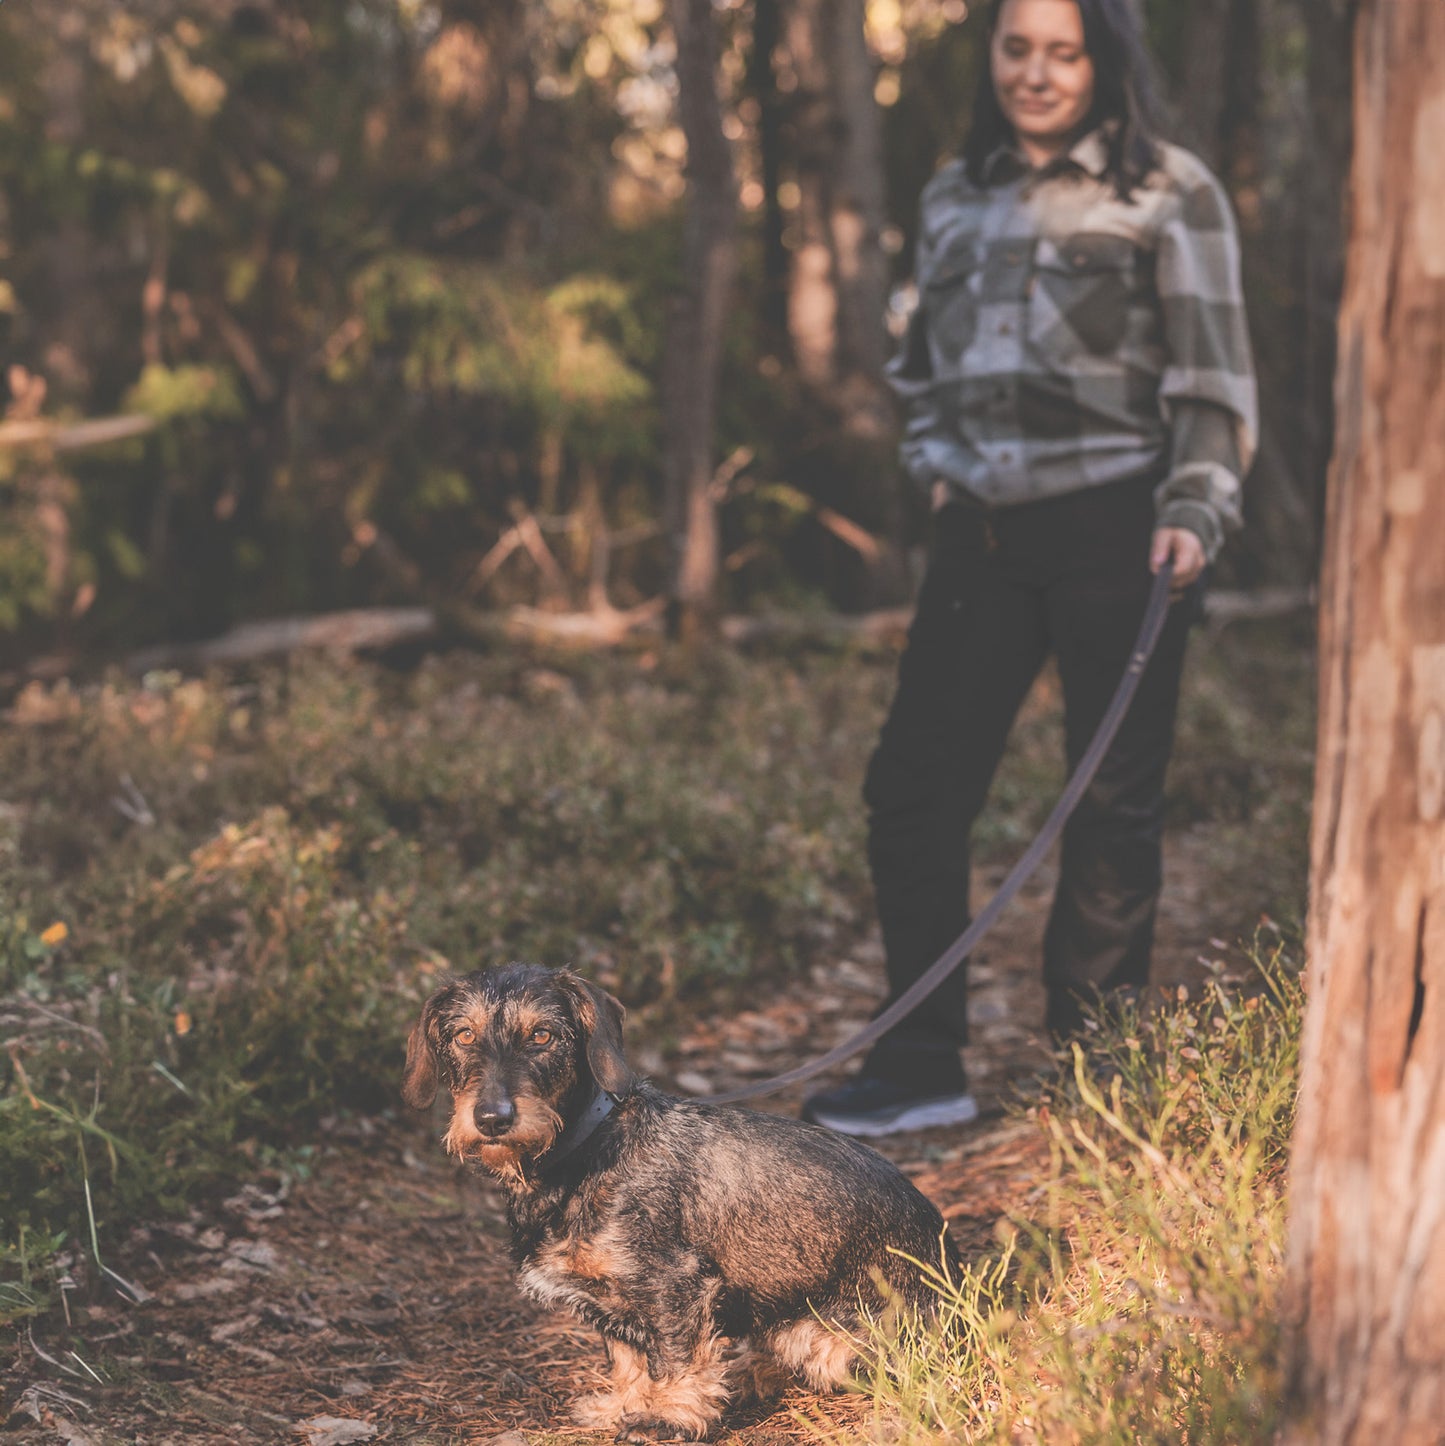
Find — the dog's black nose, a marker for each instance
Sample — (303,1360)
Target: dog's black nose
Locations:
(494,1117)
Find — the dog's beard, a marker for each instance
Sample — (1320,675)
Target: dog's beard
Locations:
(534,1132)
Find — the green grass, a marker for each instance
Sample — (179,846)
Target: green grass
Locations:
(1138,1303)
(303,852)
(260,875)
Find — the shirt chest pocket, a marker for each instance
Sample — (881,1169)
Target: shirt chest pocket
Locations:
(951,301)
(1082,289)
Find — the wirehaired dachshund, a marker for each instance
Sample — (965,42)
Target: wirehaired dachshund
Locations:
(715,1249)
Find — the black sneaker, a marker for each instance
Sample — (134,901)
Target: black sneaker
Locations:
(870,1106)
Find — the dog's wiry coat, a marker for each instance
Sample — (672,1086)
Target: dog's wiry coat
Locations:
(709,1245)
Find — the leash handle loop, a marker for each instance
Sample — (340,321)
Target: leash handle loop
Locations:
(1149,630)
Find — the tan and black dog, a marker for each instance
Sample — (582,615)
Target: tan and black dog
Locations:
(710,1246)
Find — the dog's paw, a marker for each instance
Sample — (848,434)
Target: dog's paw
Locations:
(757,1379)
(597,1412)
(644,1430)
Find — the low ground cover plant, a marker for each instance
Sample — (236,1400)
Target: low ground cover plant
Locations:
(221,899)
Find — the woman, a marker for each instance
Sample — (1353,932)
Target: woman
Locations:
(1081,409)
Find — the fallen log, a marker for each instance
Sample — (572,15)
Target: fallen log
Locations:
(601,627)
(341,632)
(363,629)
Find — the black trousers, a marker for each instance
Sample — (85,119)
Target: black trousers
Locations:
(1003,590)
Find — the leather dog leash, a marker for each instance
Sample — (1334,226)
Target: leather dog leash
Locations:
(1149,630)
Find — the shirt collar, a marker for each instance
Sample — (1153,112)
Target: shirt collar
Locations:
(1090,153)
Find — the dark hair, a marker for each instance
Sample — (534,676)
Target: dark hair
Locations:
(1123,94)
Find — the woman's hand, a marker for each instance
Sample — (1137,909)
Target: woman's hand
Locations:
(1186,550)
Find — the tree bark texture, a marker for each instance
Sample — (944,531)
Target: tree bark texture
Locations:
(1330,25)
(839,281)
(69,310)
(763,82)
(696,321)
(812,300)
(1366,1299)
(1201,90)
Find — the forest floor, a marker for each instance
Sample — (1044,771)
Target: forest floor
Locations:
(372,1299)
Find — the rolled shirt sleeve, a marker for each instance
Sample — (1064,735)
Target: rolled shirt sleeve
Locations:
(1207,392)
(1202,490)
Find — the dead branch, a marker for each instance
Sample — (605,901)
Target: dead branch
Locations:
(244,353)
(524,533)
(74,436)
(849,532)
(728,472)
(493,559)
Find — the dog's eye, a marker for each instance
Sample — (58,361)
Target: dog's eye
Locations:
(465,1036)
(541,1036)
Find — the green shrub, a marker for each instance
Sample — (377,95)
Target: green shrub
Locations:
(259,881)
(261,875)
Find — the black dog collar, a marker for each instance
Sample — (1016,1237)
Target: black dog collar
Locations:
(575,1136)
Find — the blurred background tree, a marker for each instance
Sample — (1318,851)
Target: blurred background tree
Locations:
(385,284)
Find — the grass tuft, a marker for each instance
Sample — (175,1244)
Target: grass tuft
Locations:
(1137,1305)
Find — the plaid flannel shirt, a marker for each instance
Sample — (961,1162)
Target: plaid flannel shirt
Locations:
(1064,338)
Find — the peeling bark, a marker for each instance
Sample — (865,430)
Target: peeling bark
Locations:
(1366,1302)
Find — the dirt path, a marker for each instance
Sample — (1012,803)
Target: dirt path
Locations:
(377,1291)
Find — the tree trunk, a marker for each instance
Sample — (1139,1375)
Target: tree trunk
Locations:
(763,81)
(70,320)
(1367,1247)
(839,280)
(1203,68)
(1328,78)
(696,320)
(812,300)
(859,202)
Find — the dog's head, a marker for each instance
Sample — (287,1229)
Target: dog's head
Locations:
(521,1049)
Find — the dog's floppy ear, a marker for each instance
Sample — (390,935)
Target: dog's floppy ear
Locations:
(600,1016)
(419,1079)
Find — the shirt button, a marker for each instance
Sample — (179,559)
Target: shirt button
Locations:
(1005,457)
(1005,328)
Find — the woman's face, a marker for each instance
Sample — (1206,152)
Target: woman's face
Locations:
(1042,74)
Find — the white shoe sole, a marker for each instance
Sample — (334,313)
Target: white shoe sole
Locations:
(958,1110)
